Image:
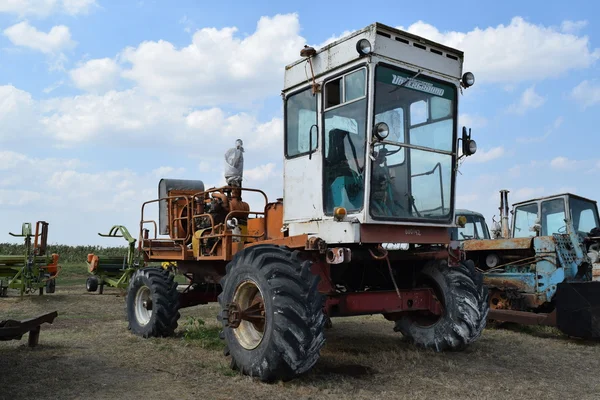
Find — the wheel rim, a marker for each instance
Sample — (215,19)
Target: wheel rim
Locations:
(249,333)
(143,305)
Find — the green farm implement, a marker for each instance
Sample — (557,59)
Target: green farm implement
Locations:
(34,270)
(113,271)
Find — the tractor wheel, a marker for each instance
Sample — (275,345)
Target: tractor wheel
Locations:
(51,286)
(465,307)
(91,284)
(272,313)
(152,303)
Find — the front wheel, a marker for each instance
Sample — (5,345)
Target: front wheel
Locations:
(465,305)
(272,314)
(152,303)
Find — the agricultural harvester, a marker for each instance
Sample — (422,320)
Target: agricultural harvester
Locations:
(370,159)
(114,271)
(545,270)
(34,270)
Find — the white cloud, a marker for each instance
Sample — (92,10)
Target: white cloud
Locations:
(519,51)
(18,114)
(97,75)
(587,93)
(573,26)
(163,172)
(472,121)
(529,100)
(549,130)
(260,173)
(482,156)
(43,8)
(53,42)
(219,65)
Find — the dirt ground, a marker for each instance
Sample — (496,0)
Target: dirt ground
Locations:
(89,354)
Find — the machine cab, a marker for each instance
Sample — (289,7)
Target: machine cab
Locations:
(474,227)
(546,216)
(371,135)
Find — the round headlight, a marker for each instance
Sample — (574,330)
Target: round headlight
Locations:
(468,79)
(472,147)
(381,131)
(363,46)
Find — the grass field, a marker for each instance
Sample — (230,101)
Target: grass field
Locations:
(88,353)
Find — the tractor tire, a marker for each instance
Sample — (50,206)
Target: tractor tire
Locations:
(465,306)
(287,341)
(91,284)
(152,303)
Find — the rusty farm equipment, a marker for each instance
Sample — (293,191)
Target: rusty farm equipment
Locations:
(371,148)
(34,271)
(546,269)
(113,271)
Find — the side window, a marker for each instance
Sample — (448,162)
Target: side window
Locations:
(553,216)
(525,218)
(301,114)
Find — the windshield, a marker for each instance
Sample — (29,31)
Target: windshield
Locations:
(584,214)
(475,228)
(411,174)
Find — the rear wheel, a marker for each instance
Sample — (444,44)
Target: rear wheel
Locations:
(272,314)
(152,303)
(465,307)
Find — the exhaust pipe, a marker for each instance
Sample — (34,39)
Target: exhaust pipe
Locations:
(505,230)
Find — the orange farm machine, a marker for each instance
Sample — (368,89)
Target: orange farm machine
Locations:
(370,156)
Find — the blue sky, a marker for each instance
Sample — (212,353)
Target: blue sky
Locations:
(99,99)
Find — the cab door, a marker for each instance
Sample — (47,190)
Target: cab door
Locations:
(302,187)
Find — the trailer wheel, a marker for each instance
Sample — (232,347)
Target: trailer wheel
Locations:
(91,284)
(272,313)
(465,307)
(152,303)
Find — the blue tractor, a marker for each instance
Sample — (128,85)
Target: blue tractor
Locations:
(545,268)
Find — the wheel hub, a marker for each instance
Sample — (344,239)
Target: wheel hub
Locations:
(246,315)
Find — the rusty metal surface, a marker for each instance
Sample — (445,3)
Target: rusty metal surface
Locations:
(274,218)
(384,302)
(523,317)
(511,281)
(498,244)
(375,233)
(294,242)
(338,255)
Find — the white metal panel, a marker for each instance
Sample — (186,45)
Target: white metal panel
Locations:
(303,188)
(329,230)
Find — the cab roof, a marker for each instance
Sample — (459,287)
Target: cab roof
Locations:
(554,196)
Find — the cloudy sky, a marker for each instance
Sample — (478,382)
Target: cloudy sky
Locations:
(99,99)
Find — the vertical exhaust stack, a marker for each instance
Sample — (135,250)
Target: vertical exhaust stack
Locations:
(504,214)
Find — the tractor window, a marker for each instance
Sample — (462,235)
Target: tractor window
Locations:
(300,115)
(584,214)
(395,120)
(525,218)
(482,229)
(345,138)
(553,217)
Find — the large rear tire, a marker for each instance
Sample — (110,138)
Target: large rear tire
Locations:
(152,303)
(275,282)
(465,306)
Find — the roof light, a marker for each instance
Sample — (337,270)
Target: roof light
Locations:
(363,46)
(468,79)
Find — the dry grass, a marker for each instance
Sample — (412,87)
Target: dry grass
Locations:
(88,353)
